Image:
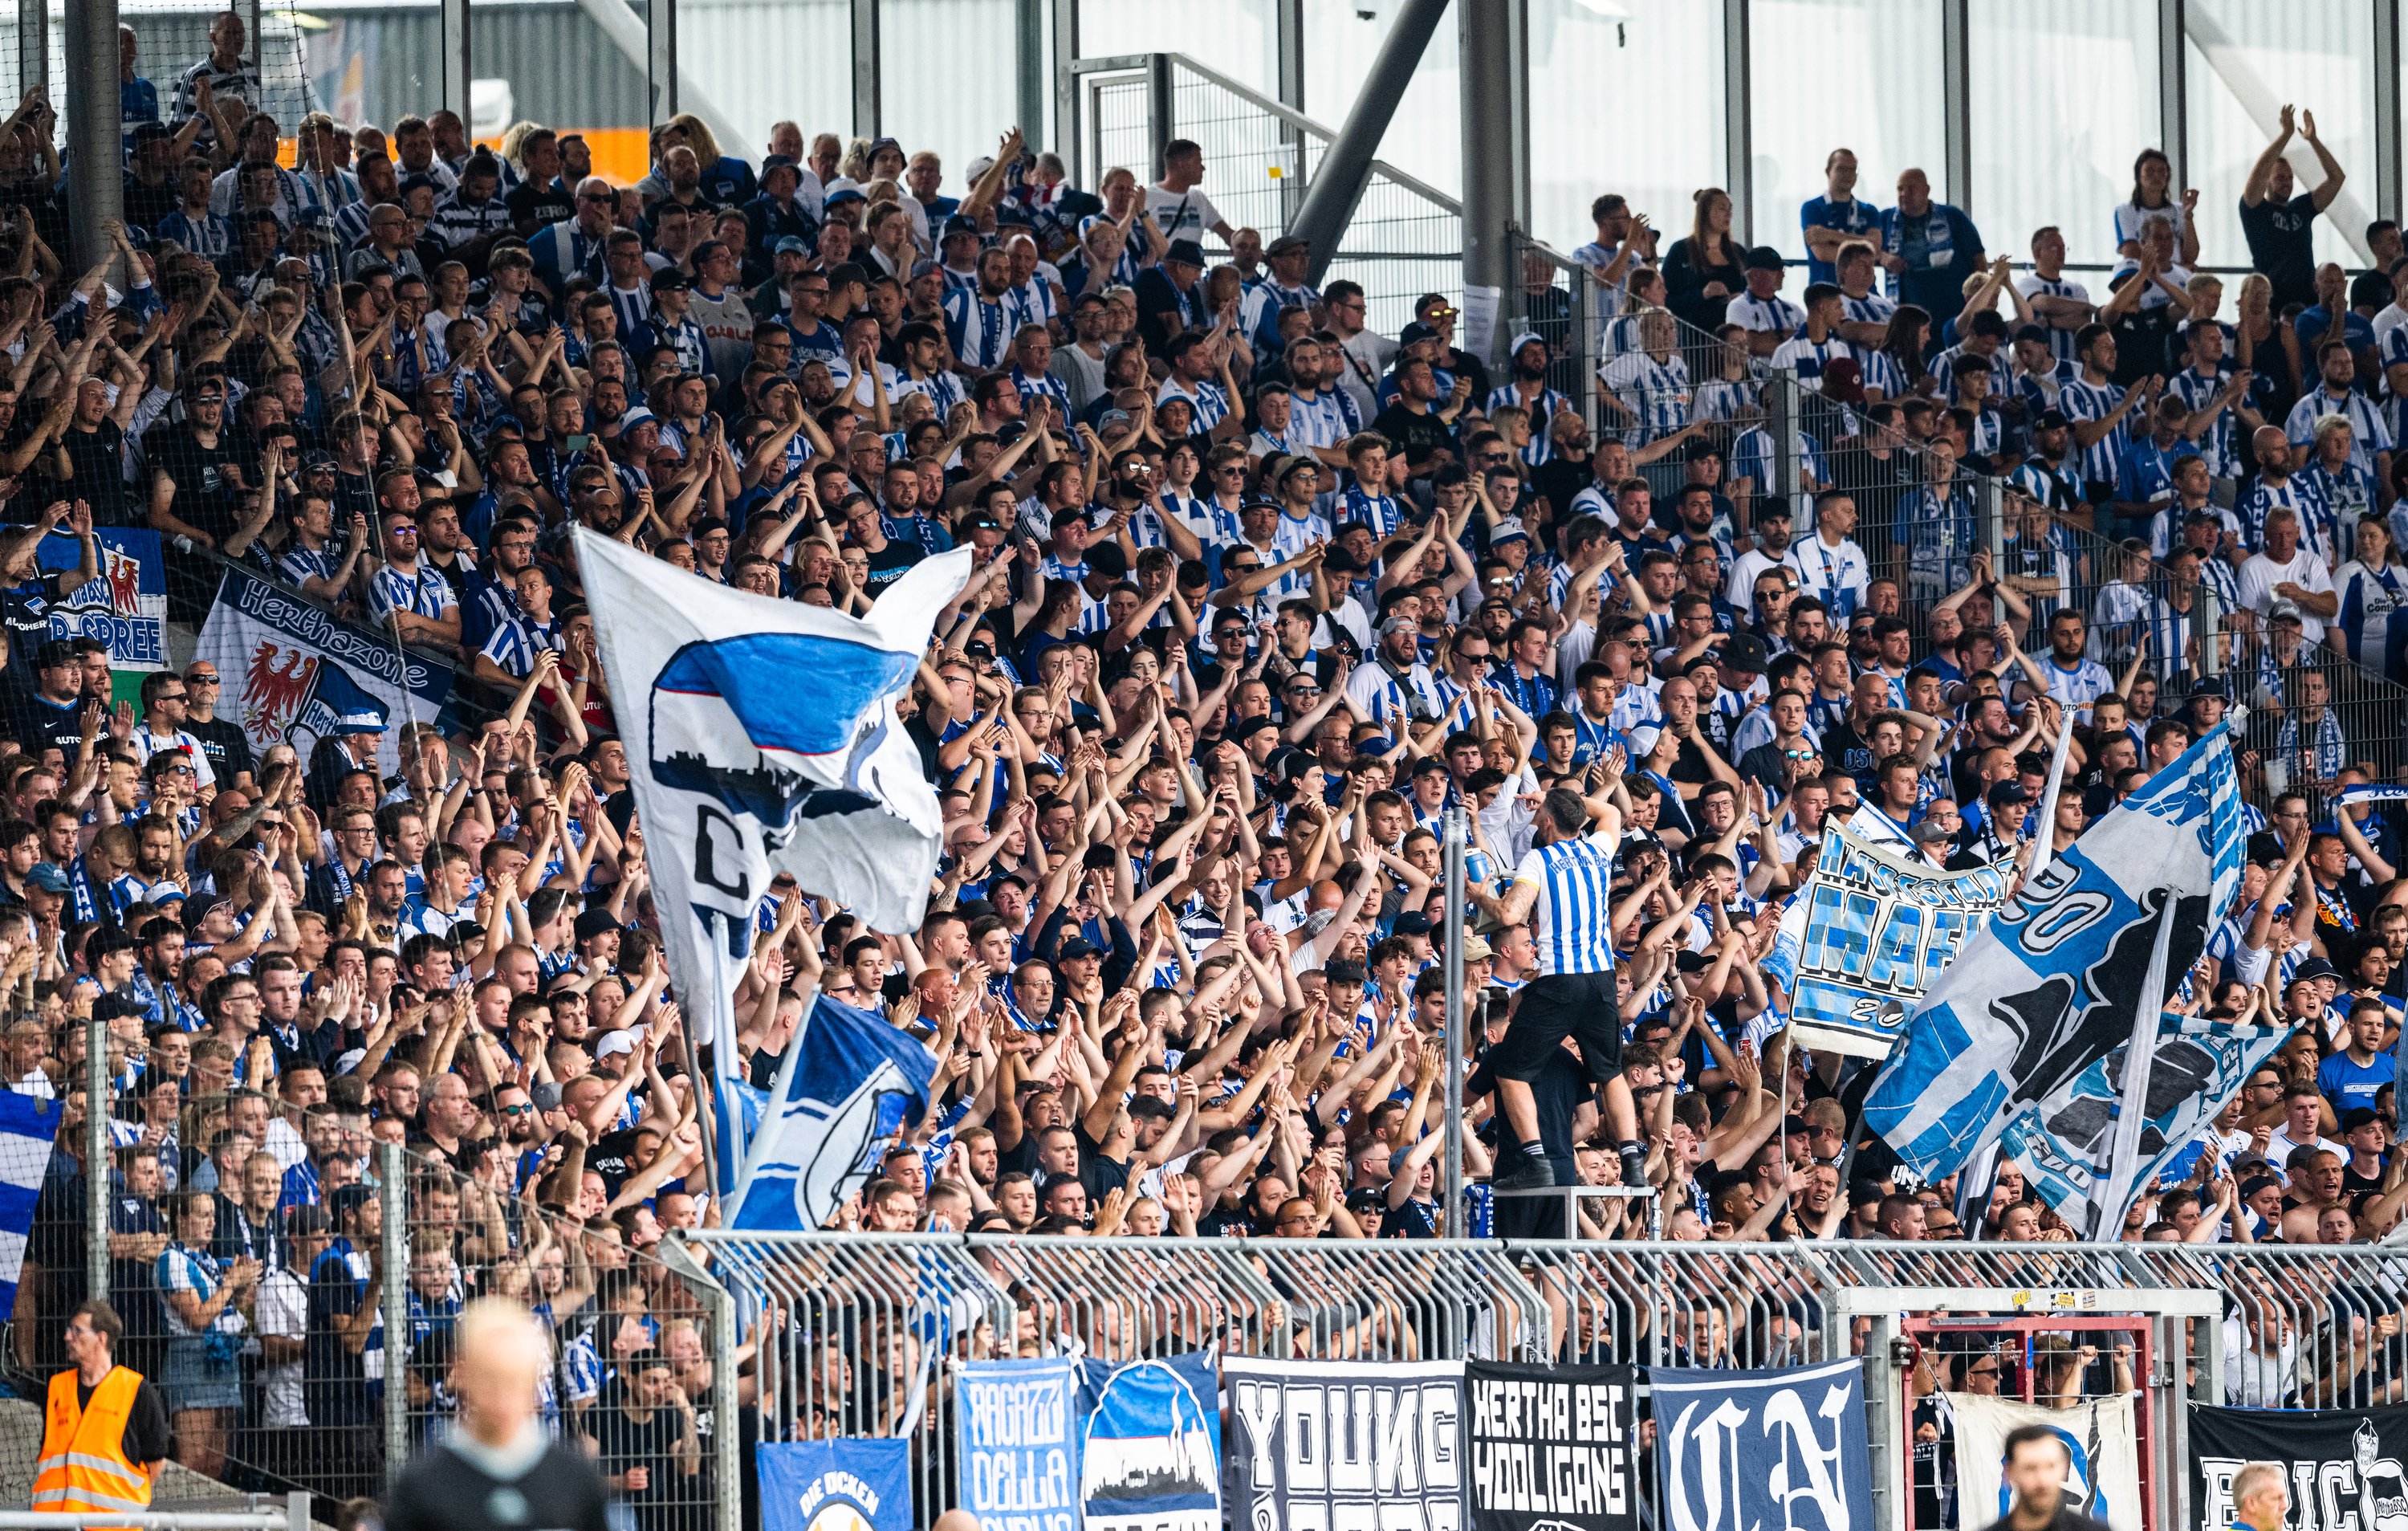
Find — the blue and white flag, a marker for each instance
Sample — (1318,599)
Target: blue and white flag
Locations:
(2066,1143)
(2053,986)
(1867,934)
(836,1486)
(294,671)
(850,1085)
(28,1126)
(762,739)
(2350,796)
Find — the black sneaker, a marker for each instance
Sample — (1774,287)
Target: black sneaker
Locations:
(1534,1175)
(1634,1168)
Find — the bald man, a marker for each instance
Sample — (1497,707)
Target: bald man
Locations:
(499,1471)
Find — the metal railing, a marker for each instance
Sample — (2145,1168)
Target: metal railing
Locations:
(1404,239)
(863,1334)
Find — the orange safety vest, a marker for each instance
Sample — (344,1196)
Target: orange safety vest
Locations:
(83,1465)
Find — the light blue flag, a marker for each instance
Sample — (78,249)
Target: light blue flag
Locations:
(2052,986)
(2066,1143)
(854,1085)
(28,1126)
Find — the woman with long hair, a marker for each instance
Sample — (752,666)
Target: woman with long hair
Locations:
(1896,368)
(2153,196)
(204,1299)
(1702,271)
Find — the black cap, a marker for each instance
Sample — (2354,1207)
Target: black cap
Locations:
(1745,652)
(958,224)
(1764,259)
(53,652)
(1186,253)
(668,278)
(2008,794)
(2052,420)
(1077,946)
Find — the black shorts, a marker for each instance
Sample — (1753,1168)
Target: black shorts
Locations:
(1581,1006)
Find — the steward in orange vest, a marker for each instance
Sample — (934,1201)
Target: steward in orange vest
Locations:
(105,1430)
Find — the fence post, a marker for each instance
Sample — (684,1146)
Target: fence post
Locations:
(296,1510)
(96,1155)
(1884,1433)
(1780,424)
(393,1199)
(1161,106)
(1588,341)
(726,1449)
(1451,1188)
(2209,622)
(1989,505)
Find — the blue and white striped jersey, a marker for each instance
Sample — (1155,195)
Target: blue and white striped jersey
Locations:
(1571,920)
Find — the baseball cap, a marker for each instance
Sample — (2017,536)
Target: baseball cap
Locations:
(1930,832)
(1508,529)
(2052,420)
(959,224)
(2008,794)
(1744,653)
(594,922)
(793,245)
(1764,259)
(1400,624)
(545,1094)
(615,1042)
(668,278)
(1077,946)
(1186,253)
(1412,922)
(1528,336)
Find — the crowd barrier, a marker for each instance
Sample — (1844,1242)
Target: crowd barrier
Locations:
(897,1338)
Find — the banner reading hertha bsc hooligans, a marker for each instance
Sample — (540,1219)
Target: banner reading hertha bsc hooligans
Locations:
(1550,1447)
(2102,1475)
(1743,1450)
(1869,932)
(2344,1468)
(836,1486)
(293,672)
(124,605)
(1058,1445)
(1321,1443)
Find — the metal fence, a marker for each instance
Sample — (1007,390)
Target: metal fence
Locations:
(862,1335)
(1404,239)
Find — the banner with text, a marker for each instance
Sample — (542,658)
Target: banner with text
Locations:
(124,605)
(1324,1443)
(2103,1474)
(1869,930)
(836,1486)
(1550,1447)
(1741,1450)
(293,671)
(2344,1468)
(1019,1449)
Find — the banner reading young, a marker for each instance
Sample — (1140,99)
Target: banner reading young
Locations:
(1324,1443)
(1550,1447)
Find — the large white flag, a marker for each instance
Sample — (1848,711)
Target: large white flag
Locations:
(2103,1474)
(761,737)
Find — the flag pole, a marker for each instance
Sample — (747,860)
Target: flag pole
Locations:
(752,1160)
(2043,845)
(2108,1196)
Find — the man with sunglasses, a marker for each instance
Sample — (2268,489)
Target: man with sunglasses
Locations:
(407,596)
(164,696)
(223,743)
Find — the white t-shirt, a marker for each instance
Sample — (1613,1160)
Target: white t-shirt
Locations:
(2260,574)
(283,1312)
(1182,215)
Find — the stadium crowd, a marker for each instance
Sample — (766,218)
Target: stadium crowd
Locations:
(1260,594)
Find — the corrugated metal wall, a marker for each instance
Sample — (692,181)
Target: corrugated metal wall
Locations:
(763,60)
(564,71)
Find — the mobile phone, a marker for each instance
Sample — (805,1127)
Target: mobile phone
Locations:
(577,444)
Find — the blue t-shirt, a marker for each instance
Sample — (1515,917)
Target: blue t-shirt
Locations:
(2350,1085)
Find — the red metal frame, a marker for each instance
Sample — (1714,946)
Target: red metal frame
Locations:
(1922,1327)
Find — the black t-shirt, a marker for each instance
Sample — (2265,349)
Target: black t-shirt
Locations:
(1157,297)
(443,1491)
(99,458)
(2282,244)
(202,474)
(39,724)
(222,740)
(888,563)
(545,204)
(651,1444)
(1423,436)
(147,1436)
